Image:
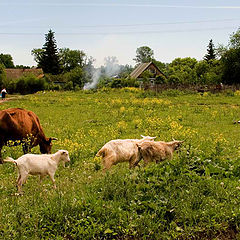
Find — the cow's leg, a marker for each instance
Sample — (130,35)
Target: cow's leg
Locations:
(26,147)
(1,160)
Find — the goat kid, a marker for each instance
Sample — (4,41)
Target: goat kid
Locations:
(38,164)
(157,151)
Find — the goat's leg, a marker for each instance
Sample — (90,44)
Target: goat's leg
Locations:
(21,180)
(19,185)
(18,179)
(41,178)
(53,180)
(146,161)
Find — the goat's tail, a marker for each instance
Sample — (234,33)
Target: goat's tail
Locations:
(11,160)
(101,152)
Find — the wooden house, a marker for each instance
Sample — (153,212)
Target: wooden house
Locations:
(153,71)
(139,71)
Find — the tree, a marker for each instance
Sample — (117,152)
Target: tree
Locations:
(211,55)
(77,76)
(162,66)
(230,60)
(183,70)
(234,41)
(49,58)
(2,74)
(208,73)
(72,58)
(6,60)
(144,54)
(231,66)
(37,54)
(22,67)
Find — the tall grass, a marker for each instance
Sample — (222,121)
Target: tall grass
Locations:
(194,196)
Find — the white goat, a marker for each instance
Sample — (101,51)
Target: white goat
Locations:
(38,164)
(121,150)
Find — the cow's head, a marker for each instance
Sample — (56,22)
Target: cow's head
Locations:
(46,145)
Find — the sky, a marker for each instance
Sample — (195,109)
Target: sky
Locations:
(105,28)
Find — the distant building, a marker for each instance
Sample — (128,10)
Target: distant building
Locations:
(140,70)
(15,73)
(143,67)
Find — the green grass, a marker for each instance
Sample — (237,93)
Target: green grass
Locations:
(194,196)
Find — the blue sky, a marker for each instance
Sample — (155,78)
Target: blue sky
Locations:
(103,28)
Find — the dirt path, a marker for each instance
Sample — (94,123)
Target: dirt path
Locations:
(9,99)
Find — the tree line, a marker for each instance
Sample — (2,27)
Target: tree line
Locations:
(74,69)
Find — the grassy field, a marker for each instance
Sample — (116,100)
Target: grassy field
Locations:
(194,196)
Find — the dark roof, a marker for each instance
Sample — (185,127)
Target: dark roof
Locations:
(141,68)
(14,73)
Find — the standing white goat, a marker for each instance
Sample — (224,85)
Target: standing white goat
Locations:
(38,164)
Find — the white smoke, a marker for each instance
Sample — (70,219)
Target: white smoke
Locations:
(111,69)
(95,78)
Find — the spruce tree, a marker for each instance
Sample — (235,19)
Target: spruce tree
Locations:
(211,55)
(50,61)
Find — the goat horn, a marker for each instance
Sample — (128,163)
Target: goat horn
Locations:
(53,138)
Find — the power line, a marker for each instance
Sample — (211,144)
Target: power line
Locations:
(137,24)
(157,24)
(49,4)
(122,33)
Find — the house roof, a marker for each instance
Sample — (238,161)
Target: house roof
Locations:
(14,73)
(141,68)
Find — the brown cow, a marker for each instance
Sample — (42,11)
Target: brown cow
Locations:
(21,125)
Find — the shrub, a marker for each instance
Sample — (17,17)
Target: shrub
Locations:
(30,84)
(118,82)
(2,74)
(77,76)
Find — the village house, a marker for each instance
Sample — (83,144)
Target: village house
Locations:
(151,69)
(138,72)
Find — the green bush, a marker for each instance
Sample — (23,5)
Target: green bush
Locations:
(2,74)
(29,84)
(77,76)
(118,82)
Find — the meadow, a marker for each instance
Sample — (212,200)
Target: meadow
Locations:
(194,196)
